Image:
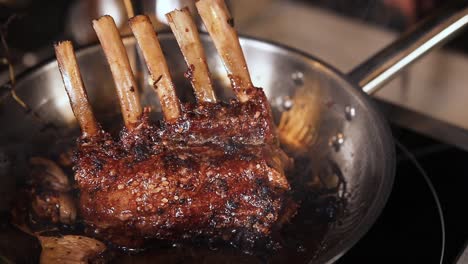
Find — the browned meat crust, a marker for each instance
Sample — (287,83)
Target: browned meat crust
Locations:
(216,172)
(219,124)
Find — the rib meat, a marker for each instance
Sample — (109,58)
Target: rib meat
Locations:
(208,169)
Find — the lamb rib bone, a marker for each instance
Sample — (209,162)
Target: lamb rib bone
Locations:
(156,62)
(220,26)
(74,86)
(187,36)
(117,58)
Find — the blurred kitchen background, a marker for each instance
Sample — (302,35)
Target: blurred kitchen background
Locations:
(426,104)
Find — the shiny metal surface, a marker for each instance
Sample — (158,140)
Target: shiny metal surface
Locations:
(431,33)
(429,97)
(365,155)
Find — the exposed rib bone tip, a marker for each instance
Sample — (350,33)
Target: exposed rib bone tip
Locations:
(146,37)
(74,86)
(186,33)
(116,55)
(219,24)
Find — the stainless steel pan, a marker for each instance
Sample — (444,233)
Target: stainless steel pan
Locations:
(352,134)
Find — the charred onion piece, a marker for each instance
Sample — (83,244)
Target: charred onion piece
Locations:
(70,249)
(75,88)
(50,192)
(48,175)
(147,40)
(220,25)
(117,58)
(186,33)
(67,209)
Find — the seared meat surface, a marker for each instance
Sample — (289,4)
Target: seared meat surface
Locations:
(169,188)
(209,169)
(220,124)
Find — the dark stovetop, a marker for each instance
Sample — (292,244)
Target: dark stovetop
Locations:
(410,227)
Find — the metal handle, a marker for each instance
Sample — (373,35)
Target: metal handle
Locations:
(412,45)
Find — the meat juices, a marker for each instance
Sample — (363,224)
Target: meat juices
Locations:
(208,169)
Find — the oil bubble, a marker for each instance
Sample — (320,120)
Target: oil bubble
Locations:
(350,113)
(337,141)
(298,78)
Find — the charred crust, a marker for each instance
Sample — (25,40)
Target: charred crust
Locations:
(141,152)
(206,169)
(155,82)
(232,205)
(98,164)
(230,21)
(189,73)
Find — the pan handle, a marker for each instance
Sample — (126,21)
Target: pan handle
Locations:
(432,32)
